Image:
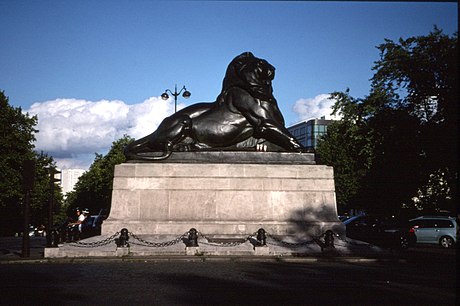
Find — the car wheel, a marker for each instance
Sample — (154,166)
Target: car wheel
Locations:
(446,242)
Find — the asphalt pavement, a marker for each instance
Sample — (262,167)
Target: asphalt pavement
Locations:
(11,248)
(227,282)
(419,276)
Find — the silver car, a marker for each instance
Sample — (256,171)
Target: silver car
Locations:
(435,230)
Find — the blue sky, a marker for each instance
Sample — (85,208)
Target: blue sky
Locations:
(105,63)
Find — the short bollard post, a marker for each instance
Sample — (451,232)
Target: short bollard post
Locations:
(193,237)
(122,241)
(261,237)
(329,239)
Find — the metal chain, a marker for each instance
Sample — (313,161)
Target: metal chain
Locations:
(156,244)
(144,242)
(96,243)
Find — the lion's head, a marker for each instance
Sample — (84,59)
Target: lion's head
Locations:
(252,74)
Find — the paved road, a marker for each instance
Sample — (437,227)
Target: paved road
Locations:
(422,276)
(227,282)
(11,247)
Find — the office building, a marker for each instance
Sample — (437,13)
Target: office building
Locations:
(69,177)
(309,131)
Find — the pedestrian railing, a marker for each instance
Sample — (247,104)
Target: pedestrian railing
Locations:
(193,238)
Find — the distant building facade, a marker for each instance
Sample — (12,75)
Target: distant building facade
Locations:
(308,132)
(69,177)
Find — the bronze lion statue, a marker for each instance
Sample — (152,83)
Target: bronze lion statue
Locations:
(245,116)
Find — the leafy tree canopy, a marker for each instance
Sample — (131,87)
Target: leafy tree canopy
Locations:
(16,146)
(392,145)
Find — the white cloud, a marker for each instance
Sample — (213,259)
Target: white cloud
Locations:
(72,130)
(315,107)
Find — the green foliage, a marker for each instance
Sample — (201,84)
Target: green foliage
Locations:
(391,146)
(435,194)
(425,68)
(94,188)
(348,147)
(16,146)
(41,194)
(395,172)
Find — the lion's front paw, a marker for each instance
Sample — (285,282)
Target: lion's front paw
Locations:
(181,147)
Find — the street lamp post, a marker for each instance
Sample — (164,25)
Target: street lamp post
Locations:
(186,95)
(49,236)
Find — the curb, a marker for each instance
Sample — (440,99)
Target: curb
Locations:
(275,259)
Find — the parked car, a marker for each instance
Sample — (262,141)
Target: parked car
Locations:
(92,226)
(380,231)
(436,230)
(343,218)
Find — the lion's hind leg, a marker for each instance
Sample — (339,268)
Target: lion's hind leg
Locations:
(171,131)
(174,129)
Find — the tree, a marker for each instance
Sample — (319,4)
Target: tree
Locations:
(422,73)
(435,195)
(94,188)
(395,173)
(348,147)
(16,146)
(394,144)
(40,196)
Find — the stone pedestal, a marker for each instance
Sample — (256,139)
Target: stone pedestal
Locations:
(192,251)
(261,250)
(287,196)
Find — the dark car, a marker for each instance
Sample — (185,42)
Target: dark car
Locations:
(91,226)
(381,231)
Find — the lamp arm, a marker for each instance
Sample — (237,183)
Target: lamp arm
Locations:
(183,88)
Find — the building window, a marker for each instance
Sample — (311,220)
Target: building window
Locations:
(307,133)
